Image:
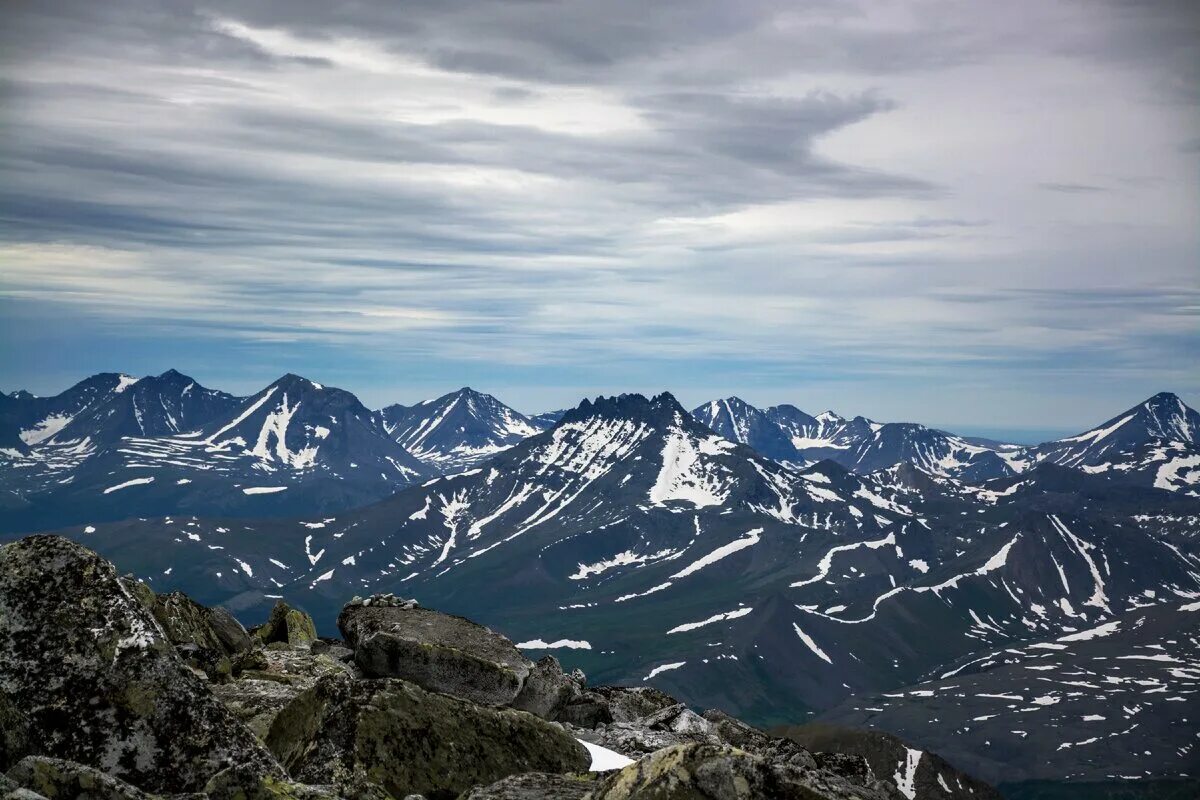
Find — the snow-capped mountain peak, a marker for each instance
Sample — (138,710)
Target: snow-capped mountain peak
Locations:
(298,424)
(458,429)
(1171,419)
(769,432)
(101,409)
(1155,442)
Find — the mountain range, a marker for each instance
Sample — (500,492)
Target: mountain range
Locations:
(113,446)
(689,551)
(1155,443)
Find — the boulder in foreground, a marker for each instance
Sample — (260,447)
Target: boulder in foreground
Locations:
(89,669)
(536,786)
(287,625)
(723,772)
(439,652)
(208,638)
(410,741)
(54,778)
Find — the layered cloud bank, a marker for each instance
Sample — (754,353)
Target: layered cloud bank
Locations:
(910,196)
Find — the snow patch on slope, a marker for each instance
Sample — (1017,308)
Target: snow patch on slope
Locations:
(750,539)
(685,475)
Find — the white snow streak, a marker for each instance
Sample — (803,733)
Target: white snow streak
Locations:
(690,626)
(748,540)
(570,644)
(134,482)
(826,562)
(663,668)
(812,645)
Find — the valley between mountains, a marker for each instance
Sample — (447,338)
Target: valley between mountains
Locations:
(1030,613)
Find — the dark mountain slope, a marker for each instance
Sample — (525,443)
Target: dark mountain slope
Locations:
(738,421)
(159,405)
(1072,707)
(27,420)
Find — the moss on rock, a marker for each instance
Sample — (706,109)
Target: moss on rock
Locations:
(536,786)
(288,625)
(408,740)
(15,741)
(56,779)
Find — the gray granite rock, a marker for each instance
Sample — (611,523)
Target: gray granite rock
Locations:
(91,670)
(408,740)
(439,652)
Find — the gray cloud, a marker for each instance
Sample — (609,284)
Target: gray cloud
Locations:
(1071,188)
(776,189)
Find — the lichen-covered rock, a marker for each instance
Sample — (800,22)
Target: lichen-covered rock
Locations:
(673,725)
(773,748)
(536,786)
(207,638)
(56,779)
(139,590)
(631,703)
(229,632)
(334,648)
(239,783)
(667,723)
(256,702)
(722,772)
(408,740)
(299,665)
(853,768)
(679,719)
(84,661)
(277,676)
(547,689)
(603,705)
(288,625)
(588,710)
(630,739)
(439,652)
(10,791)
(15,741)
(255,659)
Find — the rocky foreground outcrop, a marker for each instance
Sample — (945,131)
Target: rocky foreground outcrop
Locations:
(98,682)
(111,692)
(403,738)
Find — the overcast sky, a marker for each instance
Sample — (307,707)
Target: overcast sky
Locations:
(972,214)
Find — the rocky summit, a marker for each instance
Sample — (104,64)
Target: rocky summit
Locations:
(111,692)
